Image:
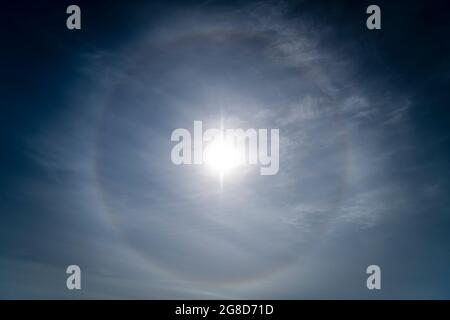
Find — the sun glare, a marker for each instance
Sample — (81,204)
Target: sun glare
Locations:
(221,156)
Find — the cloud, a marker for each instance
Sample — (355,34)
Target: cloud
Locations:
(255,67)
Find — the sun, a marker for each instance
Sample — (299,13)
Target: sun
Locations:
(221,156)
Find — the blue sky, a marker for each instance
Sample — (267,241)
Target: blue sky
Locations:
(86,176)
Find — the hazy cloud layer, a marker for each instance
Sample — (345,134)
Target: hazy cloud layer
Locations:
(141,227)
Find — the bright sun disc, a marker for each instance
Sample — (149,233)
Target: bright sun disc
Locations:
(221,156)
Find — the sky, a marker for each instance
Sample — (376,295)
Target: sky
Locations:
(86,176)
